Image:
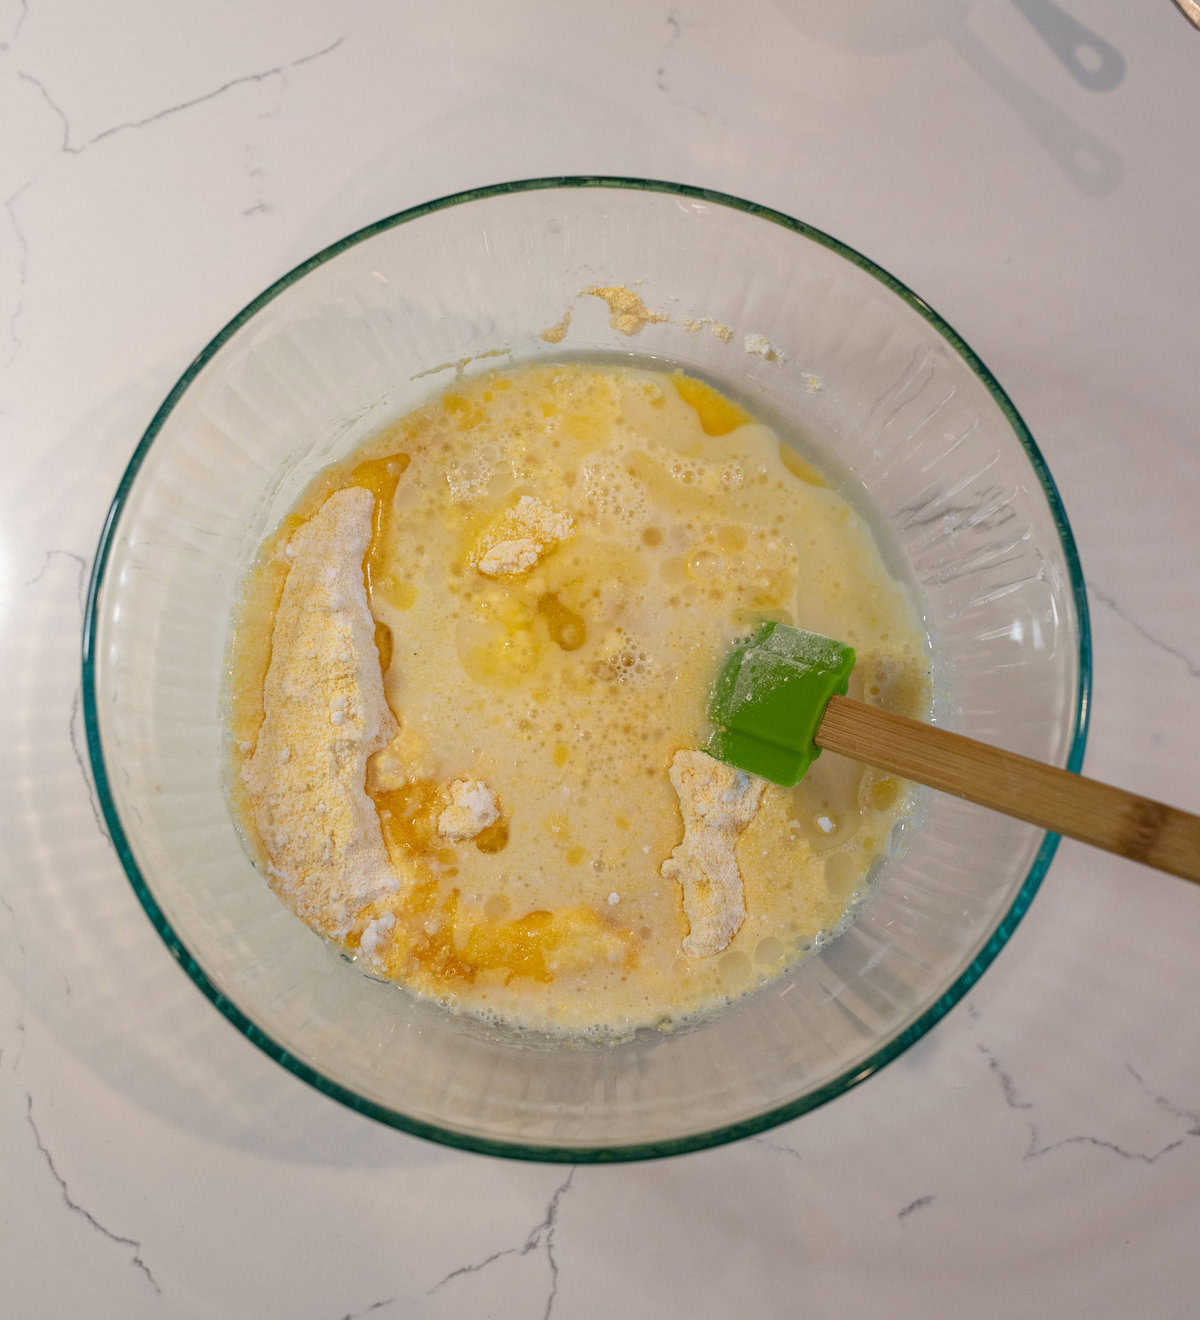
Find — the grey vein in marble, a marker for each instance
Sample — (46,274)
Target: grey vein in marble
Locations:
(81,565)
(1110,603)
(72,1204)
(913,1206)
(75,733)
(19,1021)
(55,109)
(662,79)
(369,1310)
(256,175)
(779,1147)
(1190,1116)
(541,1235)
(1035,1149)
(76,739)
(18,305)
(76,149)
(1007,1086)
(22,15)
(660,75)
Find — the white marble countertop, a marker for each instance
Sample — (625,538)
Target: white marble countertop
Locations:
(1038,1152)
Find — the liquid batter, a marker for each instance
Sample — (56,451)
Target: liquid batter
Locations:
(469,681)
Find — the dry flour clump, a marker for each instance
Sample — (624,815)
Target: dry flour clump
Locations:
(324,715)
(627,312)
(521,536)
(472,809)
(717,802)
(376,933)
(693,325)
(554,334)
(761,347)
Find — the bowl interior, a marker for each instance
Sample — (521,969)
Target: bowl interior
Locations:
(853,368)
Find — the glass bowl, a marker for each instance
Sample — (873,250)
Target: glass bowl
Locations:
(855,368)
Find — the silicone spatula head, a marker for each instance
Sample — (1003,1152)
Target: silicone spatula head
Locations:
(769,699)
(774,698)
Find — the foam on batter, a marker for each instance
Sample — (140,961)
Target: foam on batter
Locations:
(665,522)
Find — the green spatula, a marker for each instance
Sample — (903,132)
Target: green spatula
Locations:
(780,698)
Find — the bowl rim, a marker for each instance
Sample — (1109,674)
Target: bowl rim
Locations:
(883,1054)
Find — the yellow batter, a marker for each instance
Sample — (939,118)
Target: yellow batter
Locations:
(469,661)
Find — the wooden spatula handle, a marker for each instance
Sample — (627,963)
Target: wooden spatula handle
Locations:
(1120,822)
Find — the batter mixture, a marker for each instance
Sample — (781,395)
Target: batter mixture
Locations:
(469,684)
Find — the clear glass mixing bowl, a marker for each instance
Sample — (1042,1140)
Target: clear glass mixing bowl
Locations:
(857,369)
